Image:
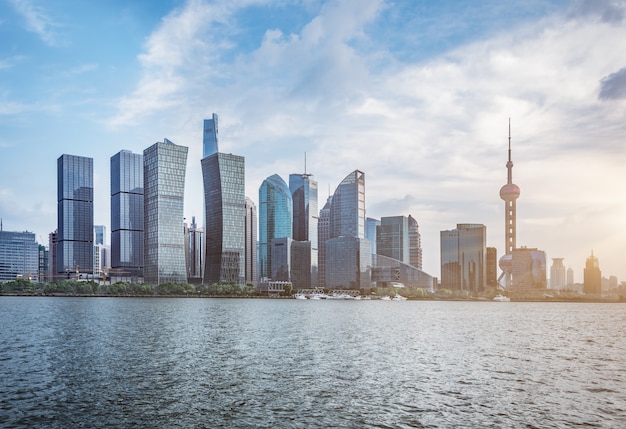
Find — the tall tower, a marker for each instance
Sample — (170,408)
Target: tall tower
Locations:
(509,193)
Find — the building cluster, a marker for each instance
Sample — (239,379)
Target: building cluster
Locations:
(286,239)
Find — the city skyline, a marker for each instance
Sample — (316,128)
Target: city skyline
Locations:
(414,94)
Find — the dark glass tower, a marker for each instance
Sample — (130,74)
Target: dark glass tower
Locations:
(75,215)
(127,214)
(305,218)
(275,219)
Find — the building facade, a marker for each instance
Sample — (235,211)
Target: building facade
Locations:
(370,232)
(415,244)
(275,219)
(592,276)
(194,251)
(304,228)
(558,274)
(528,269)
(323,234)
(392,238)
(224,199)
(127,216)
(250,223)
(491,260)
(19,256)
(164,166)
(463,252)
(75,216)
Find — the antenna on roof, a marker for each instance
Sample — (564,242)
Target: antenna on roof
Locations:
(304,162)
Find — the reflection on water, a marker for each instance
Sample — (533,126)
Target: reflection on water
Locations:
(132,362)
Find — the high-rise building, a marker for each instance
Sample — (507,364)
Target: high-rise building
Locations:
(558,278)
(491,260)
(415,244)
(370,232)
(570,277)
(347,251)
(305,219)
(323,234)
(164,166)
(592,276)
(528,269)
(19,256)
(509,193)
(392,238)
(52,257)
(463,257)
(194,251)
(250,223)
(75,215)
(275,219)
(99,234)
(43,264)
(127,211)
(224,198)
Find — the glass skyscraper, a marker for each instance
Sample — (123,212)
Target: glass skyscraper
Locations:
(392,238)
(305,218)
(224,199)
(275,219)
(164,166)
(127,238)
(251,244)
(463,252)
(75,215)
(323,234)
(348,252)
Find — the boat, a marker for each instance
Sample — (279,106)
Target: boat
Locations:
(399,298)
(318,296)
(300,296)
(385,298)
(501,298)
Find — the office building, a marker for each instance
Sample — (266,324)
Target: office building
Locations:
(592,276)
(250,223)
(528,269)
(323,234)
(558,279)
(19,256)
(275,219)
(75,216)
(43,264)
(463,252)
(392,238)
(347,252)
(164,166)
(415,243)
(194,251)
(127,216)
(370,232)
(304,228)
(52,258)
(224,199)
(491,260)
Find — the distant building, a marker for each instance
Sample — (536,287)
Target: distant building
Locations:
(280,251)
(347,251)
(415,244)
(463,252)
(370,232)
(323,234)
(224,198)
(392,238)
(194,251)
(52,257)
(558,279)
(19,256)
(304,228)
(592,276)
(528,269)
(275,220)
(127,216)
(491,261)
(164,166)
(99,234)
(570,276)
(250,223)
(75,216)
(43,264)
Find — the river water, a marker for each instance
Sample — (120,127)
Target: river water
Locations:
(248,363)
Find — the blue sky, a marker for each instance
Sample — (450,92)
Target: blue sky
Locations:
(417,94)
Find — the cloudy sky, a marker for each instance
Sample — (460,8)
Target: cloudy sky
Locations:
(415,93)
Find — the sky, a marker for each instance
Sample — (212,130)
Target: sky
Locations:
(417,94)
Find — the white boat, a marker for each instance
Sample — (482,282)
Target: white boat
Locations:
(318,296)
(501,298)
(385,298)
(300,296)
(399,298)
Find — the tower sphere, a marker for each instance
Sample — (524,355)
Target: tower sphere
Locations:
(506,262)
(510,191)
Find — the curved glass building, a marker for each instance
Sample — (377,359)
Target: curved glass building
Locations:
(164,166)
(275,219)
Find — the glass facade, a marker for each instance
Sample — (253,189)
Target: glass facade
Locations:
(251,245)
(224,198)
(347,211)
(323,234)
(392,238)
(74,214)
(209,140)
(127,220)
(275,219)
(370,232)
(164,166)
(415,244)
(19,256)
(305,219)
(463,253)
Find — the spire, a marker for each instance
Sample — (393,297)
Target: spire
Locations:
(509,164)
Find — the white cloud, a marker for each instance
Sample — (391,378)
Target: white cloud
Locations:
(38,21)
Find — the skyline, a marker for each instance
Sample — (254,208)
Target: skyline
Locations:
(427,88)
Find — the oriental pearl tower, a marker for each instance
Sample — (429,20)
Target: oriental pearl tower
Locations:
(509,193)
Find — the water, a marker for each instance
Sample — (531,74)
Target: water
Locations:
(237,363)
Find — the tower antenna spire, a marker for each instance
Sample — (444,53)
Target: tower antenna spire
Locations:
(304,162)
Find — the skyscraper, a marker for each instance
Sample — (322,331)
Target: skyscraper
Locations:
(75,215)
(392,238)
(509,193)
(370,232)
(275,219)
(305,218)
(592,276)
(415,244)
(127,211)
(528,269)
(251,242)
(194,251)
(323,234)
(347,252)
(463,257)
(224,199)
(164,166)
(19,256)
(558,279)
